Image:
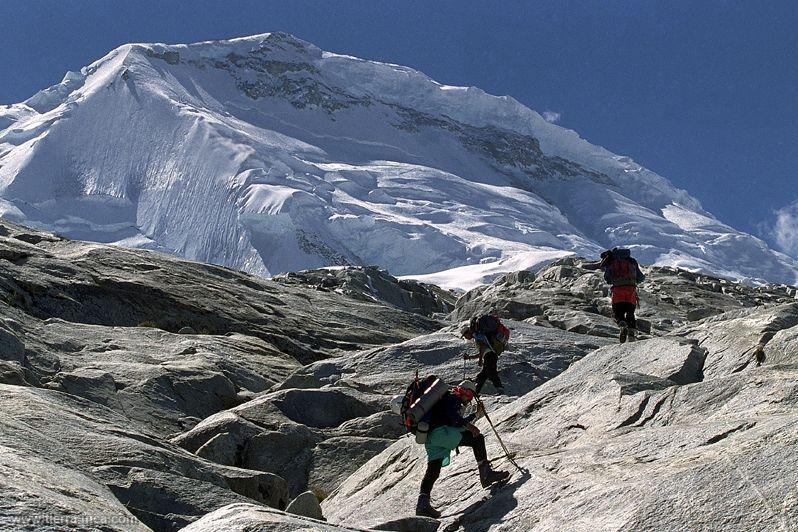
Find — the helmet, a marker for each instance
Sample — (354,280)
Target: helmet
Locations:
(396,404)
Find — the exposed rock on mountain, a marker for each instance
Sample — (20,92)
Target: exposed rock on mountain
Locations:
(49,277)
(90,399)
(740,339)
(330,417)
(536,354)
(655,435)
(130,428)
(566,296)
(373,284)
(296,434)
(160,484)
(247,517)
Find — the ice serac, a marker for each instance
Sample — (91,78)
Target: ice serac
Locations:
(268,155)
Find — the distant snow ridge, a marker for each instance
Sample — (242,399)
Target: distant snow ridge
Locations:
(268,154)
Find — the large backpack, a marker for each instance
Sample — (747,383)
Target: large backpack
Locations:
(419,399)
(622,269)
(492,327)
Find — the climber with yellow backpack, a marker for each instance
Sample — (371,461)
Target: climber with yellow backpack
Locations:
(490,336)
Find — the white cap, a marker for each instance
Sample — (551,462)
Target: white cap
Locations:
(396,404)
(468,385)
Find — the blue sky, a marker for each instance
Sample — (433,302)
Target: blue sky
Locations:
(702,92)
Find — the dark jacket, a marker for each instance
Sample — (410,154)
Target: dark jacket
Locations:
(446,412)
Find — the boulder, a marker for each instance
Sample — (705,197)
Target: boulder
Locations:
(307,505)
(582,322)
(733,339)
(782,349)
(222,449)
(336,458)
(269,489)
(12,373)
(248,517)
(286,451)
(227,424)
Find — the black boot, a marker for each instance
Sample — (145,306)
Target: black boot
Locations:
(624,331)
(631,335)
(488,476)
(424,508)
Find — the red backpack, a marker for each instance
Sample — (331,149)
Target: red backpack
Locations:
(622,272)
(621,269)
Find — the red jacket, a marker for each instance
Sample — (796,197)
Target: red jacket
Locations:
(624,294)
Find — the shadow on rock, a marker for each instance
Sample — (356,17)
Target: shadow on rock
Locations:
(486,512)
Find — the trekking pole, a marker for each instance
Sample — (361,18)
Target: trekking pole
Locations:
(464,368)
(496,432)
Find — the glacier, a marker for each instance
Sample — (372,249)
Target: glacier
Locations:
(267,154)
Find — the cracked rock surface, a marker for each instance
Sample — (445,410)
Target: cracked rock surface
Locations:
(662,434)
(95,379)
(140,391)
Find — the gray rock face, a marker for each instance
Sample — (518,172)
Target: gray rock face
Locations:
(373,284)
(92,380)
(734,339)
(307,505)
(285,387)
(248,517)
(567,296)
(161,381)
(38,494)
(535,354)
(620,439)
(579,321)
(301,435)
(330,417)
(97,453)
(102,285)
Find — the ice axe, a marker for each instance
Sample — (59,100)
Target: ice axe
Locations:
(507,454)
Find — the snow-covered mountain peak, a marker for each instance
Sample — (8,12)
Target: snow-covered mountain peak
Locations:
(268,154)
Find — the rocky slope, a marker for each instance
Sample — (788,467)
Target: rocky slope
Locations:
(106,353)
(119,417)
(694,429)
